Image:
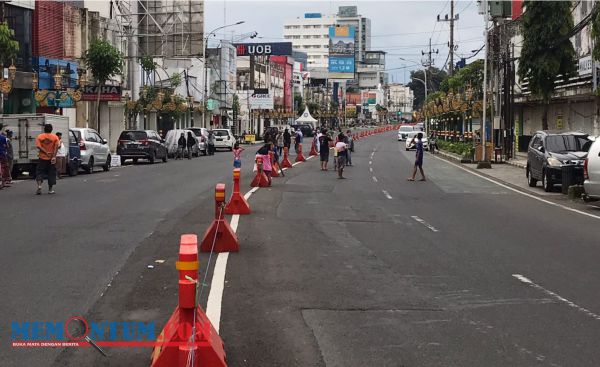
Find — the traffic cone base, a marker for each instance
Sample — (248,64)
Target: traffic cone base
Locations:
(237,205)
(285,163)
(313,150)
(260,180)
(226,240)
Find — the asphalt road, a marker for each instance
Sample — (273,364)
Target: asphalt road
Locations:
(375,270)
(59,254)
(371,270)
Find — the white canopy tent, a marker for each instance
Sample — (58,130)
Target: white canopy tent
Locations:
(306,118)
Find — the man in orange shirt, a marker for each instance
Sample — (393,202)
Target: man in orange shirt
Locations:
(47,144)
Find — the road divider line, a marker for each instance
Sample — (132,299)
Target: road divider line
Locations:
(215,296)
(387,194)
(370,162)
(423,222)
(521,192)
(374,178)
(295,164)
(370,169)
(530,283)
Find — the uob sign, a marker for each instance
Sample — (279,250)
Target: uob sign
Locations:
(264,49)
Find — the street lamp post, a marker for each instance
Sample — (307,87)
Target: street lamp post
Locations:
(425,87)
(205,46)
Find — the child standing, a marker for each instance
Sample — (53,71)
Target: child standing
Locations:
(237,156)
(266,160)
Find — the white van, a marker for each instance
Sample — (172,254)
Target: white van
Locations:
(591,172)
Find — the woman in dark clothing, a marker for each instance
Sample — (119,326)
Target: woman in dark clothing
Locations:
(287,139)
(181,147)
(191,141)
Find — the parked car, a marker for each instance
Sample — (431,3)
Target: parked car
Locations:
(144,144)
(549,151)
(202,136)
(403,132)
(411,140)
(420,126)
(94,149)
(224,138)
(172,138)
(591,172)
(74,161)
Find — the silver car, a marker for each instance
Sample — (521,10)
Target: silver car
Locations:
(94,149)
(591,172)
(403,132)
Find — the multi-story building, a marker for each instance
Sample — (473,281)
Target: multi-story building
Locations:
(348,16)
(310,34)
(400,100)
(371,71)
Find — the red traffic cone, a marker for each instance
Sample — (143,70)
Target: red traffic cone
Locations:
(285,163)
(274,172)
(237,203)
(219,237)
(313,149)
(176,345)
(261,179)
(299,156)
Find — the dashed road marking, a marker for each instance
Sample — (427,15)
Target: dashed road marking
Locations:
(370,169)
(387,194)
(530,283)
(374,178)
(423,222)
(370,162)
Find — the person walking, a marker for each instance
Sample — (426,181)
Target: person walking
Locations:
(191,141)
(9,155)
(279,143)
(350,150)
(341,149)
(4,171)
(181,144)
(61,157)
(418,158)
(287,139)
(47,145)
(211,143)
(324,141)
(296,140)
(237,155)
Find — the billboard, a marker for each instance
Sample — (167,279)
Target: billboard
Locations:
(341,52)
(261,99)
(264,49)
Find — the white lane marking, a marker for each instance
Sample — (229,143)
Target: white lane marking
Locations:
(556,296)
(296,163)
(387,194)
(370,162)
(213,305)
(370,169)
(215,296)
(521,192)
(374,178)
(432,228)
(311,157)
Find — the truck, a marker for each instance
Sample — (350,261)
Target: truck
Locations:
(26,128)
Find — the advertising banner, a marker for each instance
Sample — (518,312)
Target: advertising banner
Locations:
(261,99)
(341,52)
(107,93)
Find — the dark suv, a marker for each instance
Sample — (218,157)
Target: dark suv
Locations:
(549,151)
(144,144)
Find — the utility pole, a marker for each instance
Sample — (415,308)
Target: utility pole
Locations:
(450,19)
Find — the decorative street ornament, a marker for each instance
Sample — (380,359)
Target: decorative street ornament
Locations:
(5,86)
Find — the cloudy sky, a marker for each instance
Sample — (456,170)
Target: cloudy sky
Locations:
(401,28)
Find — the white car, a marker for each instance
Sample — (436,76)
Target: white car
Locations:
(591,171)
(411,140)
(94,149)
(403,132)
(224,138)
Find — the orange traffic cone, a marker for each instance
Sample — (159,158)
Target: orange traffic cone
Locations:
(299,156)
(285,163)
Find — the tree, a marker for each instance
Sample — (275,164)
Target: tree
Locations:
(435,77)
(547,52)
(8,51)
(104,61)
(470,75)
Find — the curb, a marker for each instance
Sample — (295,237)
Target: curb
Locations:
(456,157)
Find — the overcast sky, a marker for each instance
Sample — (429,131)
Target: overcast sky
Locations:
(401,28)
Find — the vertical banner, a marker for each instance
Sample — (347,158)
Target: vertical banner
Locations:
(341,52)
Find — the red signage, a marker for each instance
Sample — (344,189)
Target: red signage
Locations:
(107,93)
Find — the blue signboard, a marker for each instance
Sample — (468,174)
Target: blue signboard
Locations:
(47,68)
(341,52)
(266,49)
(312,15)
